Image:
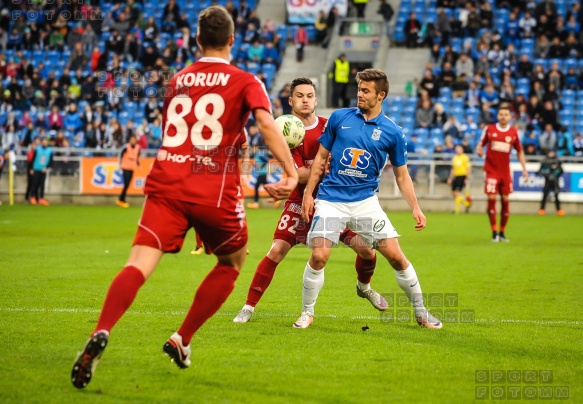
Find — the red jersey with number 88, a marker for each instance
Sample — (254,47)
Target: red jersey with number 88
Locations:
(205,110)
(500,144)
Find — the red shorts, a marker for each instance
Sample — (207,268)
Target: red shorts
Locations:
(497,185)
(292,228)
(164,224)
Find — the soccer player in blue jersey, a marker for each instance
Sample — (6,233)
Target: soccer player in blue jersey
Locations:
(359,140)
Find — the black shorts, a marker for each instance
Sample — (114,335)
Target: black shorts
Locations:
(458,183)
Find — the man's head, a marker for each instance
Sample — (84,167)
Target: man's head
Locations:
(504,115)
(215,28)
(302,97)
(459,149)
(373,87)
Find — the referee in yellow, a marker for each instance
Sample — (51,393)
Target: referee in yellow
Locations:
(458,178)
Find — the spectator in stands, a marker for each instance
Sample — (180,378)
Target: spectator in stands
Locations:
(55,119)
(271,54)
(547,140)
(486,15)
(447,75)
(321,27)
(486,116)
(429,84)
(168,25)
(412,28)
(443,26)
(283,96)
(524,67)
(527,25)
(330,24)
(573,48)
(453,128)
(173,10)
(541,47)
(489,97)
(464,65)
(155,139)
(572,79)
(387,12)
(460,86)
(469,127)
(72,121)
(556,50)
(523,119)
(512,30)
(548,115)
(255,52)
(578,145)
(472,98)
(4,40)
(534,108)
(564,142)
(440,116)
(474,22)
(548,8)
(424,114)
(300,41)
(150,30)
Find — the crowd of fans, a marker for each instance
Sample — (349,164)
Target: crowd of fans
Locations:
(522,53)
(88,74)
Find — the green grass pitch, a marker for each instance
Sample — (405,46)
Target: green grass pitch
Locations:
(56,264)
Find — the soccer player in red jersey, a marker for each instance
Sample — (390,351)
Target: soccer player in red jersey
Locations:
(501,138)
(195,182)
(291,228)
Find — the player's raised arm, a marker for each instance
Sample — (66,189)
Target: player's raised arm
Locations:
(405,185)
(316,173)
(278,146)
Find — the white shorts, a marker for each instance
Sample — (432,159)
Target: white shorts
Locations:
(366,218)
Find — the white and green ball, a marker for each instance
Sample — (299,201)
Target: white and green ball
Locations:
(293,129)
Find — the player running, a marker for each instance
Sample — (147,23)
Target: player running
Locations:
(501,138)
(195,182)
(291,229)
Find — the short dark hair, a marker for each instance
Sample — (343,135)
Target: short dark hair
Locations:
(299,81)
(378,76)
(504,106)
(215,27)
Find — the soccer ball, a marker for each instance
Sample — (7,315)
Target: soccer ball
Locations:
(293,130)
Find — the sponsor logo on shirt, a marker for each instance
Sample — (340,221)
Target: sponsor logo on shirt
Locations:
(355,158)
(376,134)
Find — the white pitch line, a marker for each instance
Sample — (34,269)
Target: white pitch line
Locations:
(228,314)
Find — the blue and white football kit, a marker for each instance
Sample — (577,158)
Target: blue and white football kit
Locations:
(347,195)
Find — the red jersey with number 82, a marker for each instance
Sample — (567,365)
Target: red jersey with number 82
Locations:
(500,144)
(205,110)
(305,154)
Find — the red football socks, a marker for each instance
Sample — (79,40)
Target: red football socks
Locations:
(210,296)
(261,280)
(121,294)
(365,268)
(492,213)
(505,215)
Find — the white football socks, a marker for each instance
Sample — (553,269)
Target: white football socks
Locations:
(363,286)
(250,308)
(313,282)
(409,283)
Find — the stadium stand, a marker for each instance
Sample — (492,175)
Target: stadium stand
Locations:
(77,71)
(526,54)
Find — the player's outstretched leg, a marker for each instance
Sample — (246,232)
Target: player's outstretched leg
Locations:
(261,281)
(177,352)
(408,282)
(365,269)
(88,358)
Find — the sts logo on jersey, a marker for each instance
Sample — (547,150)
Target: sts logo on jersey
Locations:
(355,158)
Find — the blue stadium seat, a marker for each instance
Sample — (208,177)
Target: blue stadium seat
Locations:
(397,100)
(423,133)
(411,101)
(445,92)
(436,133)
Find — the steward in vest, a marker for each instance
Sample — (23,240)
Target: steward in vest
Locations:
(129,160)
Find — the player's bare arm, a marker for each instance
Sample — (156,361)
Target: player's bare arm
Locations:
(316,173)
(405,185)
(277,145)
(522,160)
(480,150)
